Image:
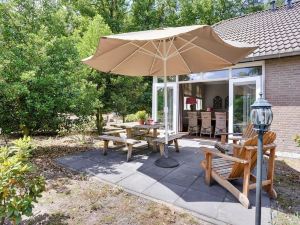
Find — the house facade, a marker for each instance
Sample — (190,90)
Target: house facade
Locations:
(273,69)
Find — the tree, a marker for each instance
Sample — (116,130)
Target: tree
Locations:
(113,12)
(126,92)
(39,79)
(87,46)
(115,93)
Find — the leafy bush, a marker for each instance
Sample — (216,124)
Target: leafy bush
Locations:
(297,139)
(41,79)
(131,118)
(141,115)
(20,186)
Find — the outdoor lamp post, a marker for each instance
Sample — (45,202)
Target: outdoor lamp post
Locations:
(261,117)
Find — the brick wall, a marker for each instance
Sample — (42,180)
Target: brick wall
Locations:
(283,91)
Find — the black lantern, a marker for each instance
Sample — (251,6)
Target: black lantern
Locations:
(261,114)
(261,117)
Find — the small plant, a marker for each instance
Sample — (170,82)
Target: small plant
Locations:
(131,118)
(20,186)
(297,139)
(141,115)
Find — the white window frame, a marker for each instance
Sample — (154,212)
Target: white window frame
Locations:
(174,86)
(176,83)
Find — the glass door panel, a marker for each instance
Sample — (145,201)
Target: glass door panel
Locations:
(243,97)
(160,106)
(242,94)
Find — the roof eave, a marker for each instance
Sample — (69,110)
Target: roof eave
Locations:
(272,56)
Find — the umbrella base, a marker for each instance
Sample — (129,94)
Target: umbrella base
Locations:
(166,162)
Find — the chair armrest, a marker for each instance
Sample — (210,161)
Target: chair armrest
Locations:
(227,157)
(236,138)
(266,147)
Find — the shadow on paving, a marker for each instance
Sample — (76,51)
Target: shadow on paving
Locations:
(182,186)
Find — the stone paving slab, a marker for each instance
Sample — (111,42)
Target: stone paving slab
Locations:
(182,186)
(165,191)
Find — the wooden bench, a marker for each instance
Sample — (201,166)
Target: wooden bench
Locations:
(172,138)
(128,142)
(115,133)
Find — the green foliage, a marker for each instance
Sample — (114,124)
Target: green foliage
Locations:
(131,118)
(20,186)
(141,115)
(115,93)
(40,81)
(297,139)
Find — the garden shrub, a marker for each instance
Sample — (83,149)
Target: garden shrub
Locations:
(131,118)
(20,185)
(141,115)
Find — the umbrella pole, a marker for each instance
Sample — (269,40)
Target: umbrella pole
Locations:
(165,161)
(166,110)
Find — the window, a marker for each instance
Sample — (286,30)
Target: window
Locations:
(219,74)
(247,72)
(193,76)
(212,75)
(169,79)
(188,106)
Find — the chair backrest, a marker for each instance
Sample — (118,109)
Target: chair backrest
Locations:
(220,122)
(193,120)
(248,131)
(237,168)
(205,120)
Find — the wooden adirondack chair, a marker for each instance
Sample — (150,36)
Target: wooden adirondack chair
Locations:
(225,168)
(237,138)
(247,133)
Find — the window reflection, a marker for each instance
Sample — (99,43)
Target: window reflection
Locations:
(193,76)
(169,79)
(247,71)
(219,74)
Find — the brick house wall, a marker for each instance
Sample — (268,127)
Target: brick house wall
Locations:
(282,89)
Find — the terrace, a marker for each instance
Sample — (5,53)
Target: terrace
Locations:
(181,187)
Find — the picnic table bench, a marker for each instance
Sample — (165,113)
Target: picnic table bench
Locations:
(115,133)
(172,138)
(127,141)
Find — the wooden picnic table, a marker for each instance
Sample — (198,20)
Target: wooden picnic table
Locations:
(134,125)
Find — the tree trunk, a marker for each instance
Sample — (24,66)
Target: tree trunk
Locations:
(99,121)
(2,220)
(123,117)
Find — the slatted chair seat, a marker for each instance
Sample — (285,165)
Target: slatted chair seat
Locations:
(223,168)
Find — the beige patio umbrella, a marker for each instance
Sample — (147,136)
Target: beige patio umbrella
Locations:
(166,52)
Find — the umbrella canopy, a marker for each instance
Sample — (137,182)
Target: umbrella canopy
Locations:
(186,50)
(167,52)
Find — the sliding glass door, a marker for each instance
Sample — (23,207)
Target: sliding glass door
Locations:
(242,94)
(158,104)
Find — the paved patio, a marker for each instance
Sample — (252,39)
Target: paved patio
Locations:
(182,186)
